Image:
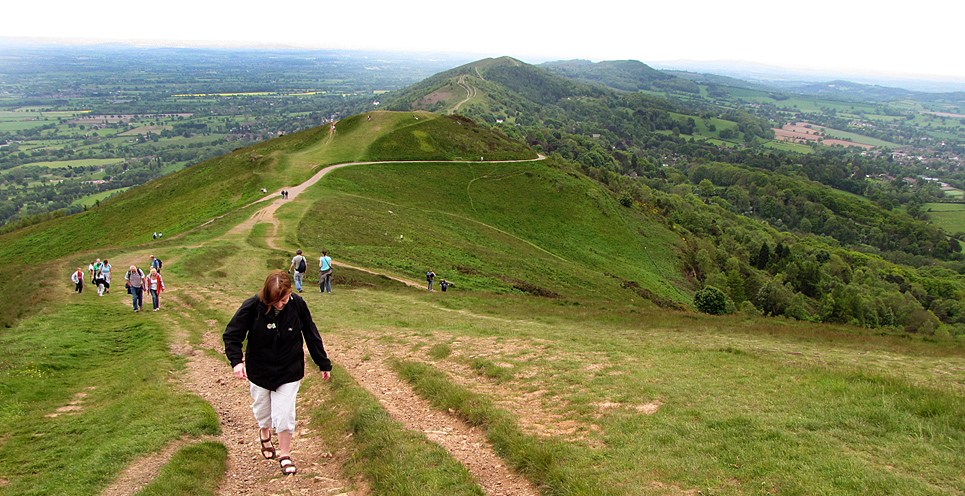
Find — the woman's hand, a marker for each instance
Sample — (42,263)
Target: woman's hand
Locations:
(326,375)
(239,371)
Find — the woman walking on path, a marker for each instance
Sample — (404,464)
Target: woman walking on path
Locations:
(155,285)
(274,322)
(325,273)
(99,281)
(135,282)
(106,271)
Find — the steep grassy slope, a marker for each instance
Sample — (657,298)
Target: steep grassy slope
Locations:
(187,199)
(528,227)
(494,84)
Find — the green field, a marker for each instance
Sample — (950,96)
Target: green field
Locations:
(950,217)
(63,164)
(791,147)
(90,200)
(858,138)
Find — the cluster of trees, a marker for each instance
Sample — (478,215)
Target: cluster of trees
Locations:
(792,203)
(765,231)
(735,263)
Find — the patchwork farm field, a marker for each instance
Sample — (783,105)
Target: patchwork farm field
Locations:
(803,132)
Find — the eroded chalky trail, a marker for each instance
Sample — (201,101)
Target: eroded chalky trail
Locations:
(320,467)
(366,360)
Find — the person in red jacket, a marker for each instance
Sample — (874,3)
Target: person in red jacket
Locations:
(155,285)
(275,322)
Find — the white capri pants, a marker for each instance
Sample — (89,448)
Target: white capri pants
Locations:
(275,408)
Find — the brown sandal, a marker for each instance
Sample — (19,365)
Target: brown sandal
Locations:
(267,449)
(287,468)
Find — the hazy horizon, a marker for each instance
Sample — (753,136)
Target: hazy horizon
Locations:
(749,70)
(823,35)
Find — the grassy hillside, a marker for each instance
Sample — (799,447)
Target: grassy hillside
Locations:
(585,388)
(187,199)
(528,227)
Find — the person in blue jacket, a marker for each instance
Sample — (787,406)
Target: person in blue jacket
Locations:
(276,323)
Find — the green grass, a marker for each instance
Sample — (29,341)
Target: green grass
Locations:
(732,405)
(556,467)
(593,392)
(950,217)
(193,470)
(91,200)
(114,369)
(858,138)
(396,461)
(186,199)
(489,227)
(791,147)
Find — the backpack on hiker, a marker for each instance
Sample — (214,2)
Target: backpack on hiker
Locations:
(302,266)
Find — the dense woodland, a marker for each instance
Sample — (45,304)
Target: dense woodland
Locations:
(775,232)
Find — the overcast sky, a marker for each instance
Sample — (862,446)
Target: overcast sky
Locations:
(887,38)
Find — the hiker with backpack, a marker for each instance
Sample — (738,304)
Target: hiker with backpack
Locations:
(106,273)
(301,266)
(156,263)
(99,281)
(430,275)
(135,285)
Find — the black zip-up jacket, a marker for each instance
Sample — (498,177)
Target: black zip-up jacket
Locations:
(274,355)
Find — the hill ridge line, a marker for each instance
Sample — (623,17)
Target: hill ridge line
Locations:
(267,213)
(294,191)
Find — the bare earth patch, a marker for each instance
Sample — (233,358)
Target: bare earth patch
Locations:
(320,467)
(73,407)
(803,132)
(366,360)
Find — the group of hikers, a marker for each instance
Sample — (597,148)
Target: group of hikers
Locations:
(275,324)
(300,266)
(135,281)
(443,284)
